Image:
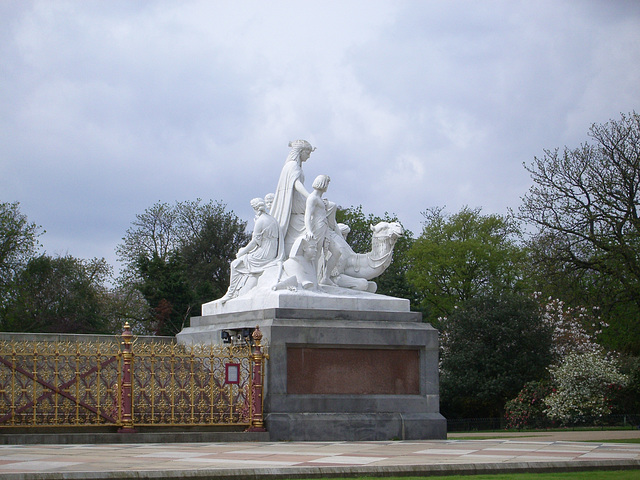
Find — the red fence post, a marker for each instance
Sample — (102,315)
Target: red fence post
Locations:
(257,422)
(126,391)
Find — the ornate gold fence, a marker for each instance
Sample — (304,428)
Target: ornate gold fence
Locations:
(128,384)
(58,383)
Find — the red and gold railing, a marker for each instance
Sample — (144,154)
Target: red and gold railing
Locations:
(129,384)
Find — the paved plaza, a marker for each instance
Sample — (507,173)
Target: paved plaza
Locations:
(317,459)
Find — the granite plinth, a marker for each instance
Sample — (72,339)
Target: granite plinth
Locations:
(338,373)
(325,298)
(366,426)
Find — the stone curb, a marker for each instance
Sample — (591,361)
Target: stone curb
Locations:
(121,438)
(336,472)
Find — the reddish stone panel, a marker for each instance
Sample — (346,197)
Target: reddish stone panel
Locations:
(353,371)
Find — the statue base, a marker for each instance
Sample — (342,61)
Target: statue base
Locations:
(322,298)
(368,372)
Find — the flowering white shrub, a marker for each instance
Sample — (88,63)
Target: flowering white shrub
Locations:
(569,333)
(584,384)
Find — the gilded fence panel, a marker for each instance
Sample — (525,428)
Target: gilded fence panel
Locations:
(58,383)
(190,385)
(83,383)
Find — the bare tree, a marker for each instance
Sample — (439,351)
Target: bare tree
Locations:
(588,199)
(585,202)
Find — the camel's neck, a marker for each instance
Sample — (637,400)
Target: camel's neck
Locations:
(381,251)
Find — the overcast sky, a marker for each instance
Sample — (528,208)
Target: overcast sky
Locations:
(107,107)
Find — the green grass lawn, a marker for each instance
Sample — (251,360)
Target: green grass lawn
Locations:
(488,436)
(493,437)
(594,475)
(502,434)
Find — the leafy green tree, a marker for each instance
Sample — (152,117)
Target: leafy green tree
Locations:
(18,244)
(584,203)
(393,281)
(165,286)
(59,294)
(491,346)
(628,400)
(462,256)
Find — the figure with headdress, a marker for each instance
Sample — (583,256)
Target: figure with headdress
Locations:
(291,195)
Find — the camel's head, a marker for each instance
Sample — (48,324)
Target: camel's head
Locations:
(387,230)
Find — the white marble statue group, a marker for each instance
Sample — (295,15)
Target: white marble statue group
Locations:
(297,243)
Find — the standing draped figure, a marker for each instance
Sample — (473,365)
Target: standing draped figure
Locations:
(291,195)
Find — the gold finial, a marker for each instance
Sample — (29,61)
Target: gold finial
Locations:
(257,335)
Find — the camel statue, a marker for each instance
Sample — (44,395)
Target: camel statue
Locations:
(355,270)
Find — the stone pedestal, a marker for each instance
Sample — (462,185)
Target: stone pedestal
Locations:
(365,373)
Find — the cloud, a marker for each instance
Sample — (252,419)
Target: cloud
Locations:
(109,107)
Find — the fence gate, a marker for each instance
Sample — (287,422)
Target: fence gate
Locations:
(128,383)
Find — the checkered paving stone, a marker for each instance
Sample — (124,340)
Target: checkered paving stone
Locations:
(220,456)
